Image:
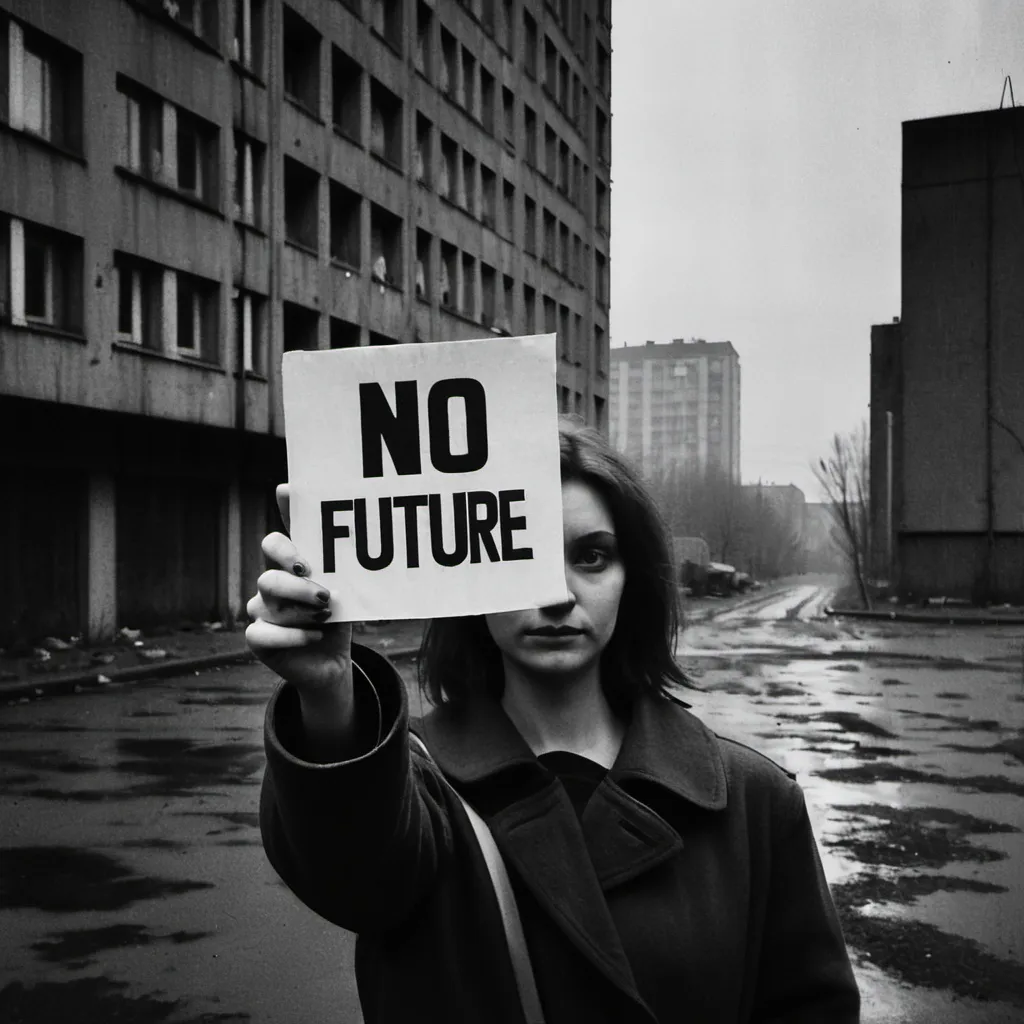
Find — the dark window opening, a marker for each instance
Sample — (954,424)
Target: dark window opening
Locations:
(346,92)
(446,274)
(448,72)
(139,301)
(301,328)
(446,184)
(489,196)
(467,294)
(197,317)
(423,264)
(301,62)
(467,196)
(487,101)
(489,298)
(424,56)
(385,124)
(346,215)
(423,155)
(386,246)
(344,334)
(301,205)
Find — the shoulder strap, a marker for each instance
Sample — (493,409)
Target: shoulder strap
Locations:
(521,965)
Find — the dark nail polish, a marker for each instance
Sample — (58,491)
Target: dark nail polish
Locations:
(299,569)
(323,597)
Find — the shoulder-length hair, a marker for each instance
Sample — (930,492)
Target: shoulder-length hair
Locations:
(458,654)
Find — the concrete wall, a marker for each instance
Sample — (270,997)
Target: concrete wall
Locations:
(963,354)
(886,401)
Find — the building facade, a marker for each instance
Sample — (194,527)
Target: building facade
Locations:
(955,378)
(677,406)
(192,187)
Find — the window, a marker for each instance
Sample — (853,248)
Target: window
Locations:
(530,132)
(550,67)
(603,205)
(550,316)
(301,62)
(489,196)
(247,42)
(574,181)
(346,217)
(385,124)
(467,287)
(468,93)
(423,154)
(530,309)
(488,294)
(563,168)
(550,153)
(565,346)
(301,205)
(248,312)
(576,105)
(386,21)
(603,141)
(508,196)
(563,83)
(577,261)
(487,15)
(40,85)
(344,334)
(446,274)
(601,277)
(197,317)
(139,301)
(301,327)
(604,74)
(487,101)
(529,226)
(247,190)
(448,73)
(563,249)
(43,275)
(446,182)
(550,238)
(196,16)
(346,90)
(508,115)
(467,193)
(423,263)
(507,303)
(423,58)
(507,39)
(382,339)
(142,135)
(529,44)
(196,156)
(386,246)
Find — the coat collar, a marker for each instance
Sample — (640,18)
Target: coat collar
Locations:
(664,744)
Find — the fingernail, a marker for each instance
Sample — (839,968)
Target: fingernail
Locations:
(299,569)
(322,616)
(323,597)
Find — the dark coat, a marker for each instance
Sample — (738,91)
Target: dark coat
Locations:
(691,891)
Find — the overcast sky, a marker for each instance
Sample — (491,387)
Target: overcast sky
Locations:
(756,186)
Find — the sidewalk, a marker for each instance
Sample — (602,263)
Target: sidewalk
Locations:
(944,614)
(56,665)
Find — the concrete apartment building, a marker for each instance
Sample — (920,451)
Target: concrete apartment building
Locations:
(190,187)
(952,372)
(677,405)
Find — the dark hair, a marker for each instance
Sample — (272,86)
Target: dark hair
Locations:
(459,654)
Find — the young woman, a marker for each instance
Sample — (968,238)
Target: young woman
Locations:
(662,873)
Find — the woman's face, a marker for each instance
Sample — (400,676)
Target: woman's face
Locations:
(568,638)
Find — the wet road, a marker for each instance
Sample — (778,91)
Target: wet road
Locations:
(133,886)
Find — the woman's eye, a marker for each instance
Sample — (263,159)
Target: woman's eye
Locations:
(593,558)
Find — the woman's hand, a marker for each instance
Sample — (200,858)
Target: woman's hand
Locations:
(290,635)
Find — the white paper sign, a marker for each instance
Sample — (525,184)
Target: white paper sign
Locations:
(425,478)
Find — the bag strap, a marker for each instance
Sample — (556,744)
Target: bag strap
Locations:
(520,955)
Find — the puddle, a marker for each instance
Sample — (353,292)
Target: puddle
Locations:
(62,879)
(868,773)
(76,949)
(178,766)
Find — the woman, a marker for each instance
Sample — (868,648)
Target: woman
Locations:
(661,873)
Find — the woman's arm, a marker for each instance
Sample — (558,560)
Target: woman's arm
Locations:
(360,840)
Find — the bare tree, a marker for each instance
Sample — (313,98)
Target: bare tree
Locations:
(843,476)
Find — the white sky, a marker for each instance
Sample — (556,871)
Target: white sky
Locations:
(756,160)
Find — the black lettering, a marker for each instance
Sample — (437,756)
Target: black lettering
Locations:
(509,524)
(331,531)
(480,527)
(387,535)
(410,503)
(458,554)
(399,430)
(471,391)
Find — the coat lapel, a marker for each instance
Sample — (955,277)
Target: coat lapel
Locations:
(566,867)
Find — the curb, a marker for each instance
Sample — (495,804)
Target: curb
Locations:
(65,684)
(946,619)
